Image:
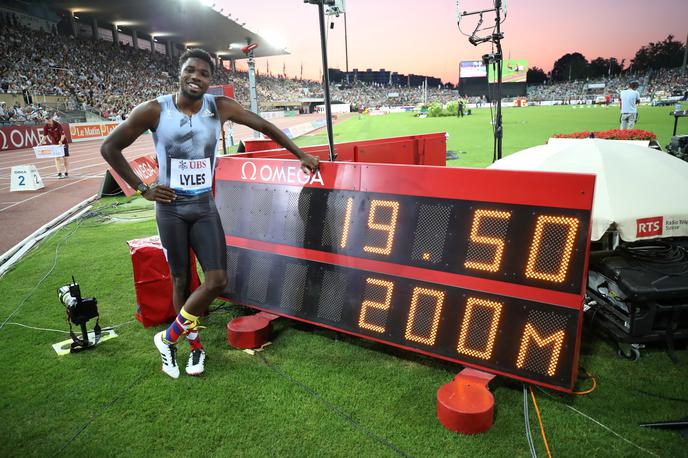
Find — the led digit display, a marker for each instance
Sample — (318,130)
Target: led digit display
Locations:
(479,241)
(438,301)
(481,267)
(388,228)
(558,273)
(528,339)
(488,243)
(484,307)
(347,222)
(367,304)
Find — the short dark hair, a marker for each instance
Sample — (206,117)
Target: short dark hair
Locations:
(197,53)
(634,84)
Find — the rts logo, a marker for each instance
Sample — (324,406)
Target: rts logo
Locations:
(649,227)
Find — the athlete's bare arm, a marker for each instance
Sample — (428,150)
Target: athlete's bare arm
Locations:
(141,119)
(230,110)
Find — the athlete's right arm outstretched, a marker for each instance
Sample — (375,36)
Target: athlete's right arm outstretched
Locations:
(144,117)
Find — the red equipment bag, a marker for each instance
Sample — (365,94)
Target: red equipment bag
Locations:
(153,281)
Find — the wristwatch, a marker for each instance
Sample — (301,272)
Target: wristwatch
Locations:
(142,188)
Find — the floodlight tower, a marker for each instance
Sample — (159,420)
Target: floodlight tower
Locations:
(248,51)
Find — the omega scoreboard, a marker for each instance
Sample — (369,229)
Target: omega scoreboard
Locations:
(482,267)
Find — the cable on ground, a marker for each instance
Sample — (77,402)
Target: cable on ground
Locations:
(314,394)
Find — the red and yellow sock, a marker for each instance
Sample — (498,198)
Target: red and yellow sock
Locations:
(194,340)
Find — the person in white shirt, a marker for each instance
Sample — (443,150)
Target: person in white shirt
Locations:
(629,106)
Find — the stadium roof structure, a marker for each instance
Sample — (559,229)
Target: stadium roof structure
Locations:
(186,22)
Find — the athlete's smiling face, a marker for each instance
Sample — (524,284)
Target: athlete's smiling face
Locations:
(194,78)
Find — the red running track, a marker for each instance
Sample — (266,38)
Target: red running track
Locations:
(21,213)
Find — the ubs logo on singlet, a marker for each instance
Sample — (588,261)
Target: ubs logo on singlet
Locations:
(192,165)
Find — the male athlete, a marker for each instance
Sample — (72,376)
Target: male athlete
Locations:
(186,129)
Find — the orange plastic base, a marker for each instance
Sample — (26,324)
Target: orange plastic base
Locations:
(465,405)
(251,331)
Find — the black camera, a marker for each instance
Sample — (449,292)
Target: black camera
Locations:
(79,309)
(678,147)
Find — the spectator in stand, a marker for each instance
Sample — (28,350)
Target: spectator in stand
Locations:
(54,134)
(629,106)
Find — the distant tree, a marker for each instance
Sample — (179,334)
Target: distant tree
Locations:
(569,67)
(615,66)
(598,67)
(663,54)
(601,67)
(536,75)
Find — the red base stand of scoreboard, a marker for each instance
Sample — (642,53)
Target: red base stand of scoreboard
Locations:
(251,331)
(465,405)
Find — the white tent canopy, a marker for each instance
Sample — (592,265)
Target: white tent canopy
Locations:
(641,191)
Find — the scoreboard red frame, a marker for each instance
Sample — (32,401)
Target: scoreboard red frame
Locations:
(482,267)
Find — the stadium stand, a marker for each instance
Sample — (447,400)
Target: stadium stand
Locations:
(657,84)
(47,70)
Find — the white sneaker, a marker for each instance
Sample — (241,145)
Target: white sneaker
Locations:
(168,354)
(196,363)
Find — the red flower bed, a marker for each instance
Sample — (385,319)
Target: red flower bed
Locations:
(612,134)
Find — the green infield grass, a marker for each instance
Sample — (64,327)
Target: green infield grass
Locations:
(313,392)
(471,136)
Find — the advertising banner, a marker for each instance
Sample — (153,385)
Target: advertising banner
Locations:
(18,137)
(82,131)
(144,167)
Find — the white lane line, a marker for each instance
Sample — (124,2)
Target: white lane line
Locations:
(73,158)
(43,194)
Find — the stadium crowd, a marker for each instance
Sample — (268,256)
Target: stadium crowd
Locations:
(108,80)
(111,80)
(657,83)
(668,81)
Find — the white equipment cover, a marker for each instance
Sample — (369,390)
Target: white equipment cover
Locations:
(643,192)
